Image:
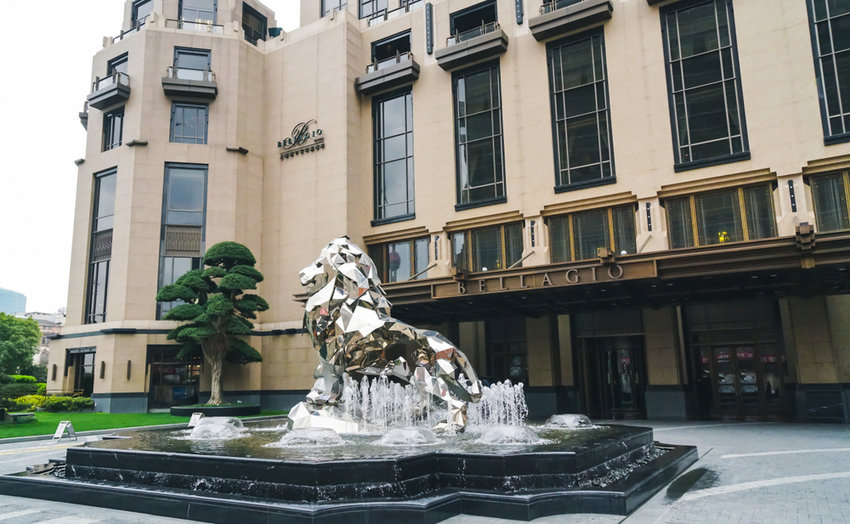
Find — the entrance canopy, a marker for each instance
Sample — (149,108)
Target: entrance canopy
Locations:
(803,265)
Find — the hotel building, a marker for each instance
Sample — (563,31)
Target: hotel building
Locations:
(638,208)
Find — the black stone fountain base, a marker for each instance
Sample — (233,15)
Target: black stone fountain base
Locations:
(613,475)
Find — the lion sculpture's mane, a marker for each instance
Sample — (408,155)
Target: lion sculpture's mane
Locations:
(348,318)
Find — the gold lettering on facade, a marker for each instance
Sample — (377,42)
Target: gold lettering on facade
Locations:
(502,284)
(593,272)
(572,276)
(546,281)
(482,285)
(522,284)
(615,271)
(461,289)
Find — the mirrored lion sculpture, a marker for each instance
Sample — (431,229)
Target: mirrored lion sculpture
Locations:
(348,318)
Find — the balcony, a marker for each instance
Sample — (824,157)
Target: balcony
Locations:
(387,74)
(474,45)
(200,26)
(189,84)
(135,29)
(84,116)
(110,91)
(385,15)
(560,17)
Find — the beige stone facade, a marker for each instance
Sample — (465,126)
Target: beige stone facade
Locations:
(286,209)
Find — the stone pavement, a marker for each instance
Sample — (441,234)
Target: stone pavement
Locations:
(747,473)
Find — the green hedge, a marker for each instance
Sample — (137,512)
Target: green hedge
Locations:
(18,389)
(30,402)
(25,379)
(68,403)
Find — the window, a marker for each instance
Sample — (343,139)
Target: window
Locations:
(390,51)
(705,90)
(113,126)
(117,65)
(184,210)
(831,194)
(474,21)
(507,350)
(487,249)
(189,123)
(370,8)
(400,261)
(200,11)
(581,127)
(577,236)
(830,25)
(82,360)
(393,122)
(329,6)
(730,215)
(192,64)
(100,249)
(254,24)
(478,132)
(142,9)
(551,5)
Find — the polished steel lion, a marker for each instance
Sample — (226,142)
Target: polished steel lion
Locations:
(348,318)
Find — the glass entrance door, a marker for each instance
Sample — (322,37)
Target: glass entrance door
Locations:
(173,382)
(613,377)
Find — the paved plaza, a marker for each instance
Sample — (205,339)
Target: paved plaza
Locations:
(747,473)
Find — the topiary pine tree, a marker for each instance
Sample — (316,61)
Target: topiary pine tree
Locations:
(216,310)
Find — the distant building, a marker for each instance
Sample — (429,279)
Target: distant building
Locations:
(12,302)
(50,325)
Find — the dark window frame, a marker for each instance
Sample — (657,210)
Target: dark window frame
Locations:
(134,14)
(99,256)
(740,210)
(844,177)
(382,264)
(339,5)
(468,249)
(560,186)
(487,4)
(115,64)
(611,233)
(830,138)
(197,51)
(744,154)
(113,128)
(260,16)
(376,8)
(164,257)
(176,107)
(410,170)
(390,40)
(499,196)
(197,20)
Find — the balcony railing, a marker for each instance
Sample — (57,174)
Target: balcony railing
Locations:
(135,29)
(180,73)
(483,29)
(201,26)
(548,7)
(387,15)
(116,78)
(388,62)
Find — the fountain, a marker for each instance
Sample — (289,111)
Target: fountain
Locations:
(396,427)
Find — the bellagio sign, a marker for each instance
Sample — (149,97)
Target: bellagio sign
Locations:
(557,276)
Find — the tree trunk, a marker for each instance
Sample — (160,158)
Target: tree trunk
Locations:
(215,381)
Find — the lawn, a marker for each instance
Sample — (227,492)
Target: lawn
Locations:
(45,423)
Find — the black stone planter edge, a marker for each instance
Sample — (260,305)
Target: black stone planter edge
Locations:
(426,510)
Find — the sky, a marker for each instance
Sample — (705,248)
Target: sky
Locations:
(48,69)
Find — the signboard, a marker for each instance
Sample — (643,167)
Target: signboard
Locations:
(305,138)
(504,281)
(64,426)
